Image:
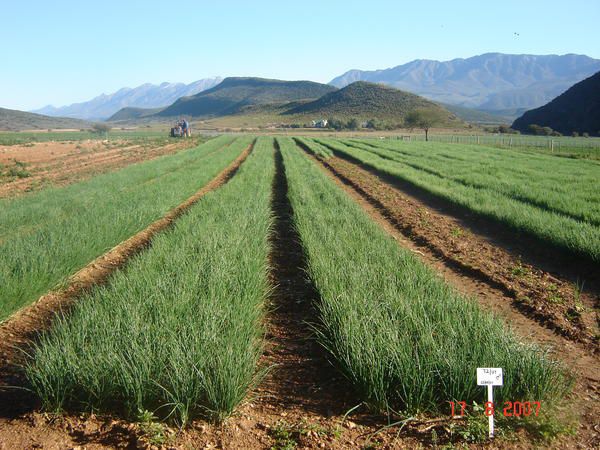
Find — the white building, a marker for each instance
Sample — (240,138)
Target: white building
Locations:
(319,123)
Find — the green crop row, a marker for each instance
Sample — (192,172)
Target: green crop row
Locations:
(179,331)
(405,340)
(47,236)
(501,204)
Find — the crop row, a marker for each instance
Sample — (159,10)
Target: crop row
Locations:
(47,236)
(404,338)
(179,332)
(484,184)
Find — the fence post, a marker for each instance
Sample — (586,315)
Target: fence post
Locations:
(477,140)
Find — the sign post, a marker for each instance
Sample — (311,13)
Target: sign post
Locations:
(490,377)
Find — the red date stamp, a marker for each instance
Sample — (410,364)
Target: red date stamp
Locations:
(509,409)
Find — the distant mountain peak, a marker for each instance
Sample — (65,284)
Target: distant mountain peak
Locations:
(491,81)
(147,95)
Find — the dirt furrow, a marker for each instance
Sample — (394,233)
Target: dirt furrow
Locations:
(17,331)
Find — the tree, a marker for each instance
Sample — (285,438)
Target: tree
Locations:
(539,130)
(353,124)
(336,124)
(100,128)
(424,118)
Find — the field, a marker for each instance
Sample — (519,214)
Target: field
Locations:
(301,292)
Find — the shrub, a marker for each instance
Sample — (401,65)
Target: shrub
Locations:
(100,128)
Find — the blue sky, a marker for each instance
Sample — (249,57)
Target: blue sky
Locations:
(59,52)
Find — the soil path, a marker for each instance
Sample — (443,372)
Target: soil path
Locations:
(410,222)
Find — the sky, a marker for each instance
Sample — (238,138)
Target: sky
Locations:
(61,52)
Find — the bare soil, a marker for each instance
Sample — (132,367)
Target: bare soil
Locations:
(60,163)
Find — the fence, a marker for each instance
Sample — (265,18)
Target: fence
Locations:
(550,143)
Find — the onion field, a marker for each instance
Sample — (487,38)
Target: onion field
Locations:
(48,236)
(182,327)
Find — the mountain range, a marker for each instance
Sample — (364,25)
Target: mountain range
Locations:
(262,101)
(144,96)
(495,82)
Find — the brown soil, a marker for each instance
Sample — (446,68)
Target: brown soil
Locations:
(18,424)
(431,236)
(62,163)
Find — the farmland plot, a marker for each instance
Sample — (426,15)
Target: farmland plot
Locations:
(47,236)
(179,332)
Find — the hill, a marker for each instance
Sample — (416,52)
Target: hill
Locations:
(14,120)
(131,113)
(365,101)
(578,109)
(234,94)
(144,96)
(491,82)
(478,116)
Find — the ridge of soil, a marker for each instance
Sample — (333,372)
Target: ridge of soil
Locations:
(548,297)
(23,326)
(374,196)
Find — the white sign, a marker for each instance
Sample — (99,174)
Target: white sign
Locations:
(489,376)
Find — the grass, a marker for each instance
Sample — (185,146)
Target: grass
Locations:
(47,236)
(553,200)
(405,340)
(179,332)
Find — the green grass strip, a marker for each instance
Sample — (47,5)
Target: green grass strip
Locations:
(406,340)
(47,236)
(179,331)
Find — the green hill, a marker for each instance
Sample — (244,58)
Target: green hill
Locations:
(132,113)
(364,100)
(477,116)
(14,120)
(577,109)
(234,95)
